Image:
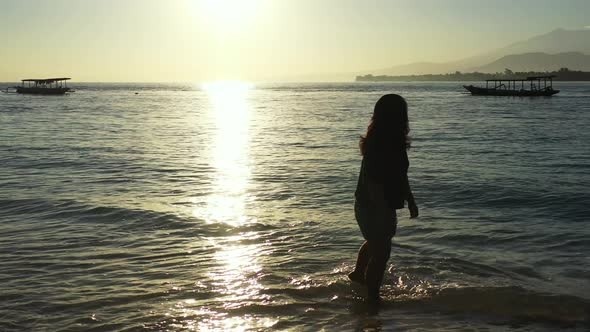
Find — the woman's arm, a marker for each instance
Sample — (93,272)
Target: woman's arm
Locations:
(410,198)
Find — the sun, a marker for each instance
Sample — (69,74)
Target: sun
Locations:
(228,15)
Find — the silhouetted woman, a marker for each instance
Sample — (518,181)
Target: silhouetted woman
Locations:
(382,188)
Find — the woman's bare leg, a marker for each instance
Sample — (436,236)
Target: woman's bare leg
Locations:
(358,275)
(379,251)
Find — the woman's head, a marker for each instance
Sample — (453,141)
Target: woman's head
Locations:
(389,125)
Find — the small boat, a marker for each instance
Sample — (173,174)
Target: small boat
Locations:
(528,87)
(43,86)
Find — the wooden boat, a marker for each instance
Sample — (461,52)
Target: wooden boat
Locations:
(44,86)
(529,87)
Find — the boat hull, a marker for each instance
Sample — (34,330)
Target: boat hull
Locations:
(42,91)
(477,91)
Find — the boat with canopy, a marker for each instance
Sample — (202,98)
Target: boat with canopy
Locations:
(43,86)
(528,87)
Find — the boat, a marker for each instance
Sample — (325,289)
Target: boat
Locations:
(527,87)
(43,86)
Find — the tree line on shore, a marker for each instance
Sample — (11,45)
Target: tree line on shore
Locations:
(563,74)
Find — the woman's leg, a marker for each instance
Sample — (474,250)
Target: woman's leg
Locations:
(379,251)
(358,275)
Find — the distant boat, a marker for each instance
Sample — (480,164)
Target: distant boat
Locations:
(528,87)
(43,86)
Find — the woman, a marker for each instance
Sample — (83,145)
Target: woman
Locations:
(382,188)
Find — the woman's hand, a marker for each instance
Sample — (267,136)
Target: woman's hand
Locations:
(413,209)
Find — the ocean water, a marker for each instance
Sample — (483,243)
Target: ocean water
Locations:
(229,206)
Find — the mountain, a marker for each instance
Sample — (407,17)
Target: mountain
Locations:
(537,61)
(556,41)
(420,68)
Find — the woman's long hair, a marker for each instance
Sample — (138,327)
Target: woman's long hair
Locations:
(389,126)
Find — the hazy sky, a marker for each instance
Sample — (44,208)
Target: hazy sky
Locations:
(202,40)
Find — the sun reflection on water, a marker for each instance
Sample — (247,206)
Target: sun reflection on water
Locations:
(235,270)
(230,114)
(238,280)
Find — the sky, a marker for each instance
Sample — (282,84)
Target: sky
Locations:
(259,40)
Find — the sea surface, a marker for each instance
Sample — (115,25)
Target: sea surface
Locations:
(229,206)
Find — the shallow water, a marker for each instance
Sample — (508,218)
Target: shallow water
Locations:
(229,206)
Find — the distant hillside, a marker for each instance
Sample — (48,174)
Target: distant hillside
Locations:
(418,68)
(562,74)
(556,41)
(537,62)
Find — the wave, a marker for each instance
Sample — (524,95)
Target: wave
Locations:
(511,303)
(72,212)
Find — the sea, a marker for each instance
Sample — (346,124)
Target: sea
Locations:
(228,206)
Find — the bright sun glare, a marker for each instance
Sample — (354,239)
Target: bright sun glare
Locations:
(229,14)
